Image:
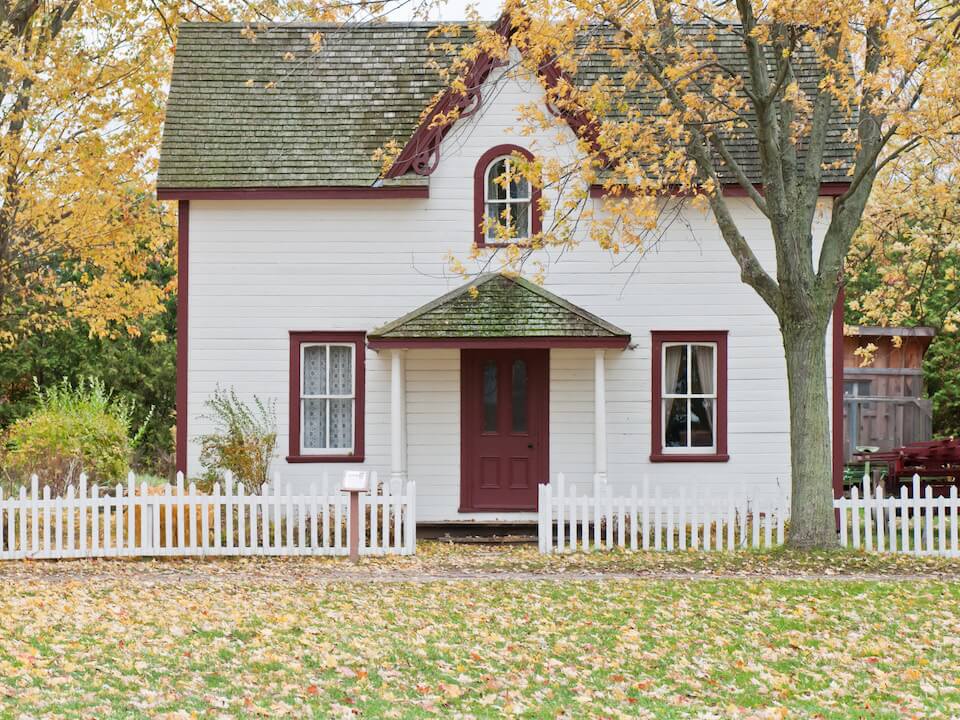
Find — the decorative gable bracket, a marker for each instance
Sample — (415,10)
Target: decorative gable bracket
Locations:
(421,153)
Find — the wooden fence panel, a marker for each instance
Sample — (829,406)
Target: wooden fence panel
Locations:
(132,520)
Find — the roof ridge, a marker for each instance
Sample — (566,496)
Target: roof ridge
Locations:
(280,25)
(566,304)
(432,305)
(515,281)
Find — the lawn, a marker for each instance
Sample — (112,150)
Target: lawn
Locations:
(268,638)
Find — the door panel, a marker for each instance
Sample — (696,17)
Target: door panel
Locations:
(504,428)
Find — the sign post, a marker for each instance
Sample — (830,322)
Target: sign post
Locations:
(355,482)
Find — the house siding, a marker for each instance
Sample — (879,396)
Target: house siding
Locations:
(261,268)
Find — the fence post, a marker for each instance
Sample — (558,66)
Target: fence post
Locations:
(82,505)
(35,529)
(561,500)
(916,508)
(411,518)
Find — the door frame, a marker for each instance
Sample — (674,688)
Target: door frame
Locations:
(468,383)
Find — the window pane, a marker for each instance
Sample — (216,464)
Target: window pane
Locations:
(519,400)
(341,423)
(519,187)
(675,370)
(496,191)
(701,422)
(490,397)
(315,370)
(314,424)
(702,370)
(495,215)
(341,370)
(675,422)
(519,219)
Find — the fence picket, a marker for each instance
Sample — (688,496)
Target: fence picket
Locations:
(82,504)
(928,526)
(23,519)
(915,508)
(954,550)
(941,524)
(657,495)
(891,502)
(881,522)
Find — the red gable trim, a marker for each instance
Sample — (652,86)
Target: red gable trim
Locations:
(294,193)
(507,343)
(421,153)
(829,189)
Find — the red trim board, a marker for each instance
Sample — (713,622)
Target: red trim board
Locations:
(295,193)
(183,287)
(322,336)
(659,337)
(830,189)
(502,343)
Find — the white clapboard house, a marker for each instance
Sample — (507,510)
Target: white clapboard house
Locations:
(310,277)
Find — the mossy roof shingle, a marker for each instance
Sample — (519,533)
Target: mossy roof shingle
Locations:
(501,306)
(326,113)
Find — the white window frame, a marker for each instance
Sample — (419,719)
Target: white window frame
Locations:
(352,396)
(505,203)
(687,449)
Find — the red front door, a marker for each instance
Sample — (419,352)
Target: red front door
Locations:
(504,428)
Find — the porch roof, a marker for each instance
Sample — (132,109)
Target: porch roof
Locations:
(499,310)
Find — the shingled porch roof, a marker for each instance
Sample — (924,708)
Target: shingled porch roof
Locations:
(498,310)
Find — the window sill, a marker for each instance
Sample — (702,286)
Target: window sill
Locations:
(524,244)
(688,457)
(324,458)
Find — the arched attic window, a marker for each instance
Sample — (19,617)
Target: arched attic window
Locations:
(506,197)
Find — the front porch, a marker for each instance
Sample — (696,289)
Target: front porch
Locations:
(497,358)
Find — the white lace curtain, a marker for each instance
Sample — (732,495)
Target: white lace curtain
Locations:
(327,419)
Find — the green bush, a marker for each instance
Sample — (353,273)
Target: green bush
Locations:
(243,441)
(73,429)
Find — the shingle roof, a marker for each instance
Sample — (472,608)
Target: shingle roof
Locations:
(321,123)
(502,306)
(329,111)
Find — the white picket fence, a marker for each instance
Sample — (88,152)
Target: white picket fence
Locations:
(178,521)
(653,521)
(914,522)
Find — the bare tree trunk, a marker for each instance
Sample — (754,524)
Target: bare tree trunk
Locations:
(812,522)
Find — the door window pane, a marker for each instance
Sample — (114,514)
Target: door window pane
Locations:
(490,396)
(519,400)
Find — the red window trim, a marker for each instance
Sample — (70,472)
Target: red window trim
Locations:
(479,199)
(297,338)
(659,337)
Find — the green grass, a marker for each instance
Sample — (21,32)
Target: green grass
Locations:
(266,638)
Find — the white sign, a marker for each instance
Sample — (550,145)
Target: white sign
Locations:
(356,481)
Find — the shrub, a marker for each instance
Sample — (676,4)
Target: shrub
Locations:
(74,429)
(243,441)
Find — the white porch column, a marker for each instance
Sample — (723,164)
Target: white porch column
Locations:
(599,417)
(398,418)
